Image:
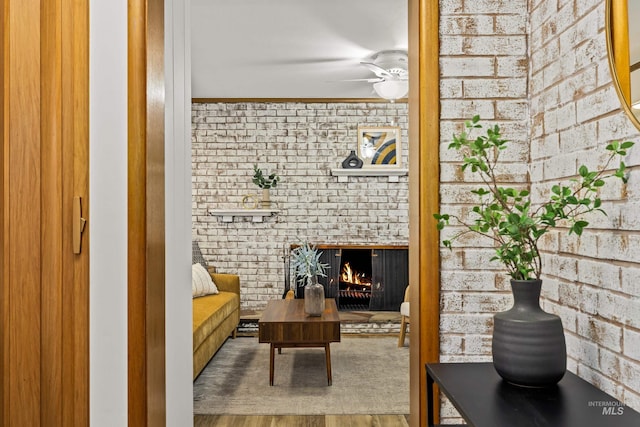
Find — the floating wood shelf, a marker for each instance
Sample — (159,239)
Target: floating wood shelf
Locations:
(393,174)
(257,215)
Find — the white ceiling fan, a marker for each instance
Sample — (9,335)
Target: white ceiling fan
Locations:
(392,75)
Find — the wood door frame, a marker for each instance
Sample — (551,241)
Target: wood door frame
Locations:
(424,199)
(146,224)
(424,183)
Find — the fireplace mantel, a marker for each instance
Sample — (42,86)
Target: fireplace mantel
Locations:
(393,174)
(257,215)
(356,246)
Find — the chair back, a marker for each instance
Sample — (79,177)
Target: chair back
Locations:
(406,294)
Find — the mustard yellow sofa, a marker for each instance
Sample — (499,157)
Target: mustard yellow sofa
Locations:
(215,318)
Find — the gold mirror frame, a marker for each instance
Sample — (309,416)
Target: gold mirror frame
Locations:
(615,8)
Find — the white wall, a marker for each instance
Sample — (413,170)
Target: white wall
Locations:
(635,87)
(108,220)
(108,216)
(179,356)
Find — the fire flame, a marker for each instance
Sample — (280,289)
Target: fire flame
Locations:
(351,276)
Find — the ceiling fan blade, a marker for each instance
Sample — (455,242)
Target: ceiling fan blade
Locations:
(305,61)
(379,71)
(373,80)
(299,61)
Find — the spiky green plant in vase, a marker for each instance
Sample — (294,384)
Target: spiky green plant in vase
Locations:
(305,261)
(528,343)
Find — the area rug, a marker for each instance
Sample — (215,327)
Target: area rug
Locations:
(370,376)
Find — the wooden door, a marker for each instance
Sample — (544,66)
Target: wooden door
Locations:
(43,169)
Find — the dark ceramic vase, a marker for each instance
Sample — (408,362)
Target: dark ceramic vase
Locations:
(528,343)
(352,161)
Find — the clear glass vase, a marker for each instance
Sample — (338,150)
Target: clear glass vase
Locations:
(313,297)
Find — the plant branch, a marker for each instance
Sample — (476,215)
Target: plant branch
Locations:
(505,216)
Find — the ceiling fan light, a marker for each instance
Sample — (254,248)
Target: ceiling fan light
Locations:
(391,89)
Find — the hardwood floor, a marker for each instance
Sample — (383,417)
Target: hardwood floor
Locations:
(301,420)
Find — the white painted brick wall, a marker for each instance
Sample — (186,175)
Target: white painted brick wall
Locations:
(575,112)
(484,52)
(301,142)
(563,118)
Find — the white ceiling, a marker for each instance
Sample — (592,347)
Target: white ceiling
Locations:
(290,48)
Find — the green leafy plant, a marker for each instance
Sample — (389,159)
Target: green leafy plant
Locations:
(305,261)
(506,214)
(264,182)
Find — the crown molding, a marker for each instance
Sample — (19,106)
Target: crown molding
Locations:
(300,100)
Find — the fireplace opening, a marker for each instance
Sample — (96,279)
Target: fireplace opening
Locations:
(355,279)
(362,278)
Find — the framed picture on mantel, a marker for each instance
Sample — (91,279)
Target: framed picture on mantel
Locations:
(379,147)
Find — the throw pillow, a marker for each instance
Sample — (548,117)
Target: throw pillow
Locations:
(201,282)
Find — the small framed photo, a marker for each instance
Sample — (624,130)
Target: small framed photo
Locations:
(379,147)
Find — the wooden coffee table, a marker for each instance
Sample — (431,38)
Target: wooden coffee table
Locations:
(284,324)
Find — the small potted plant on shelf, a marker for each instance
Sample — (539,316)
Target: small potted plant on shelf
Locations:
(305,261)
(265,182)
(528,344)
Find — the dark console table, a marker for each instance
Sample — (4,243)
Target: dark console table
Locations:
(483,399)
